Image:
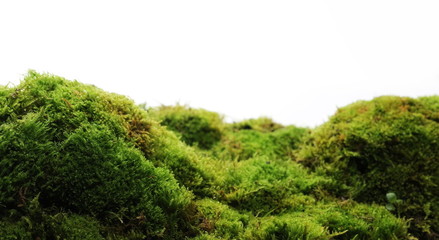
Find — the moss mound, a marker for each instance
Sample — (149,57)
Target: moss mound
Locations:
(263,186)
(86,151)
(259,137)
(196,127)
(386,145)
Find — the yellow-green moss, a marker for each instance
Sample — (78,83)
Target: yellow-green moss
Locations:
(388,144)
(259,137)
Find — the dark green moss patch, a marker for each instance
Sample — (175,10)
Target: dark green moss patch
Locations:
(196,127)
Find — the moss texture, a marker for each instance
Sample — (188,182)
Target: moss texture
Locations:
(388,144)
(80,163)
(196,127)
(259,137)
(84,150)
(316,220)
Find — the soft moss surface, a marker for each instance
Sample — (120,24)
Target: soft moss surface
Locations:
(387,145)
(196,127)
(80,163)
(315,220)
(81,149)
(243,141)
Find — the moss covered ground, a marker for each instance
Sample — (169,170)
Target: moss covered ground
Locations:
(77,162)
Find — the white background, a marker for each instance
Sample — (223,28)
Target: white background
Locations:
(294,61)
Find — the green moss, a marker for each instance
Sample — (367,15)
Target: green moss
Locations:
(85,150)
(358,221)
(244,144)
(79,163)
(13,231)
(184,161)
(259,137)
(220,220)
(262,124)
(266,186)
(285,227)
(196,127)
(63,226)
(316,220)
(389,144)
(36,222)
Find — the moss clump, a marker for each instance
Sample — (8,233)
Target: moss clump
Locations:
(259,137)
(265,186)
(358,221)
(388,144)
(220,220)
(315,220)
(86,151)
(196,127)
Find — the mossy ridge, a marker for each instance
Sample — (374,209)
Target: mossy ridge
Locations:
(206,131)
(74,125)
(388,144)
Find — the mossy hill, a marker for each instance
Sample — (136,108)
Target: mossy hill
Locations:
(386,145)
(77,162)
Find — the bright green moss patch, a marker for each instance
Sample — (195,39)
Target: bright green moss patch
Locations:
(182,160)
(264,186)
(389,144)
(314,220)
(220,220)
(358,221)
(259,137)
